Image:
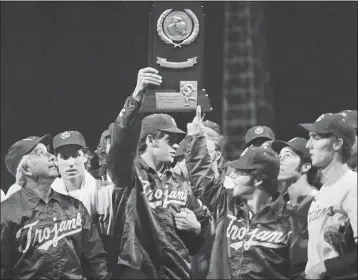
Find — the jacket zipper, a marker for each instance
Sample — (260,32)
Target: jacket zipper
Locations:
(243,245)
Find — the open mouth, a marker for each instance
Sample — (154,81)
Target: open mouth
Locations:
(53,166)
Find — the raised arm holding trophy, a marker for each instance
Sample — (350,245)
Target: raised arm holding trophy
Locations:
(176,50)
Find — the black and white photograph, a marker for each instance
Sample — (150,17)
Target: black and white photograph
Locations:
(178,140)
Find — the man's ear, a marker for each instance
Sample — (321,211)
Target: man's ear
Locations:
(257,183)
(337,144)
(306,167)
(150,141)
(85,157)
(27,170)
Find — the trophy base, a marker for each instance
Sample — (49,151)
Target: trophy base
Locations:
(161,101)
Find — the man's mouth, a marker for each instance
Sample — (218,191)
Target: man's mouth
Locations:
(54,166)
(71,170)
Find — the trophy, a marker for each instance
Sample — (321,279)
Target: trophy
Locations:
(176,50)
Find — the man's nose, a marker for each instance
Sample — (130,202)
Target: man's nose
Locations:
(70,161)
(309,144)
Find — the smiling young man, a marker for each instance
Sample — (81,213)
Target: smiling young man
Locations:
(44,234)
(298,178)
(254,226)
(332,217)
(75,181)
(158,222)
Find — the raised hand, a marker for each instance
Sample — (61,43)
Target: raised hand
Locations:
(196,126)
(146,76)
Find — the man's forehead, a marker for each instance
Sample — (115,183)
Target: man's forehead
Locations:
(288,150)
(69,150)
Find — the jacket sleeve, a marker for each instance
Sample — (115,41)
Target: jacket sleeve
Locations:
(192,240)
(123,143)
(6,250)
(95,264)
(198,163)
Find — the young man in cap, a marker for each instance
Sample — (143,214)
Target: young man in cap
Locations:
(254,225)
(351,117)
(332,217)
(44,234)
(298,177)
(11,165)
(158,224)
(71,154)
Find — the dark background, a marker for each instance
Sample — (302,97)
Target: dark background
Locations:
(70,65)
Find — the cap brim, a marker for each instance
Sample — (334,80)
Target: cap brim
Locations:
(46,140)
(278,145)
(311,127)
(239,164)
(173,130)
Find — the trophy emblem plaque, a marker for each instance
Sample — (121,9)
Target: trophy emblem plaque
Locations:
(176,50)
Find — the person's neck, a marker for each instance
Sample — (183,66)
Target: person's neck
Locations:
(333,172)
(299,189)
(258,201)
(42,187)
(74,184)
(151,161)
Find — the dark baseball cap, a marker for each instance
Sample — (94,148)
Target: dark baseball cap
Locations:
(297,144)
(161,122)
(351,117)
(335,124)
(258,132)
(21,148)
(258,158)
(68,138)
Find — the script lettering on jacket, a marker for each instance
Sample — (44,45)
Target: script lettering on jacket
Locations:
(159,197)
(257,237)
(318,213)
(49,236)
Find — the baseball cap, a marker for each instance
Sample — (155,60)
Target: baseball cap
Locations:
(161,122)
(21,148)
(68,138)
(335,124)
(351,117)
(258,158)
(297,144)
(258,132)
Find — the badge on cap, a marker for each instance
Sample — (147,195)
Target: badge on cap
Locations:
(259,130)
(28,139)
(65,135)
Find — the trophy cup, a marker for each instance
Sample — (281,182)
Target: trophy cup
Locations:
(176,50)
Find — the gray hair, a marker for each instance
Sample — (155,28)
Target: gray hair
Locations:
(20,171)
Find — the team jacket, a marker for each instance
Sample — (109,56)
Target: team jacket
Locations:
(246,246)
(145,204)
(53,241)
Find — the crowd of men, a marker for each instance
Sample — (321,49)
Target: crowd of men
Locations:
(156,202)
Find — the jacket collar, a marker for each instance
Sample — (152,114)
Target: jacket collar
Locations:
(33,199)
(166,168)
(275,208)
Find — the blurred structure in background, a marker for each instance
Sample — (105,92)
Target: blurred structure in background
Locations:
(247,99)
